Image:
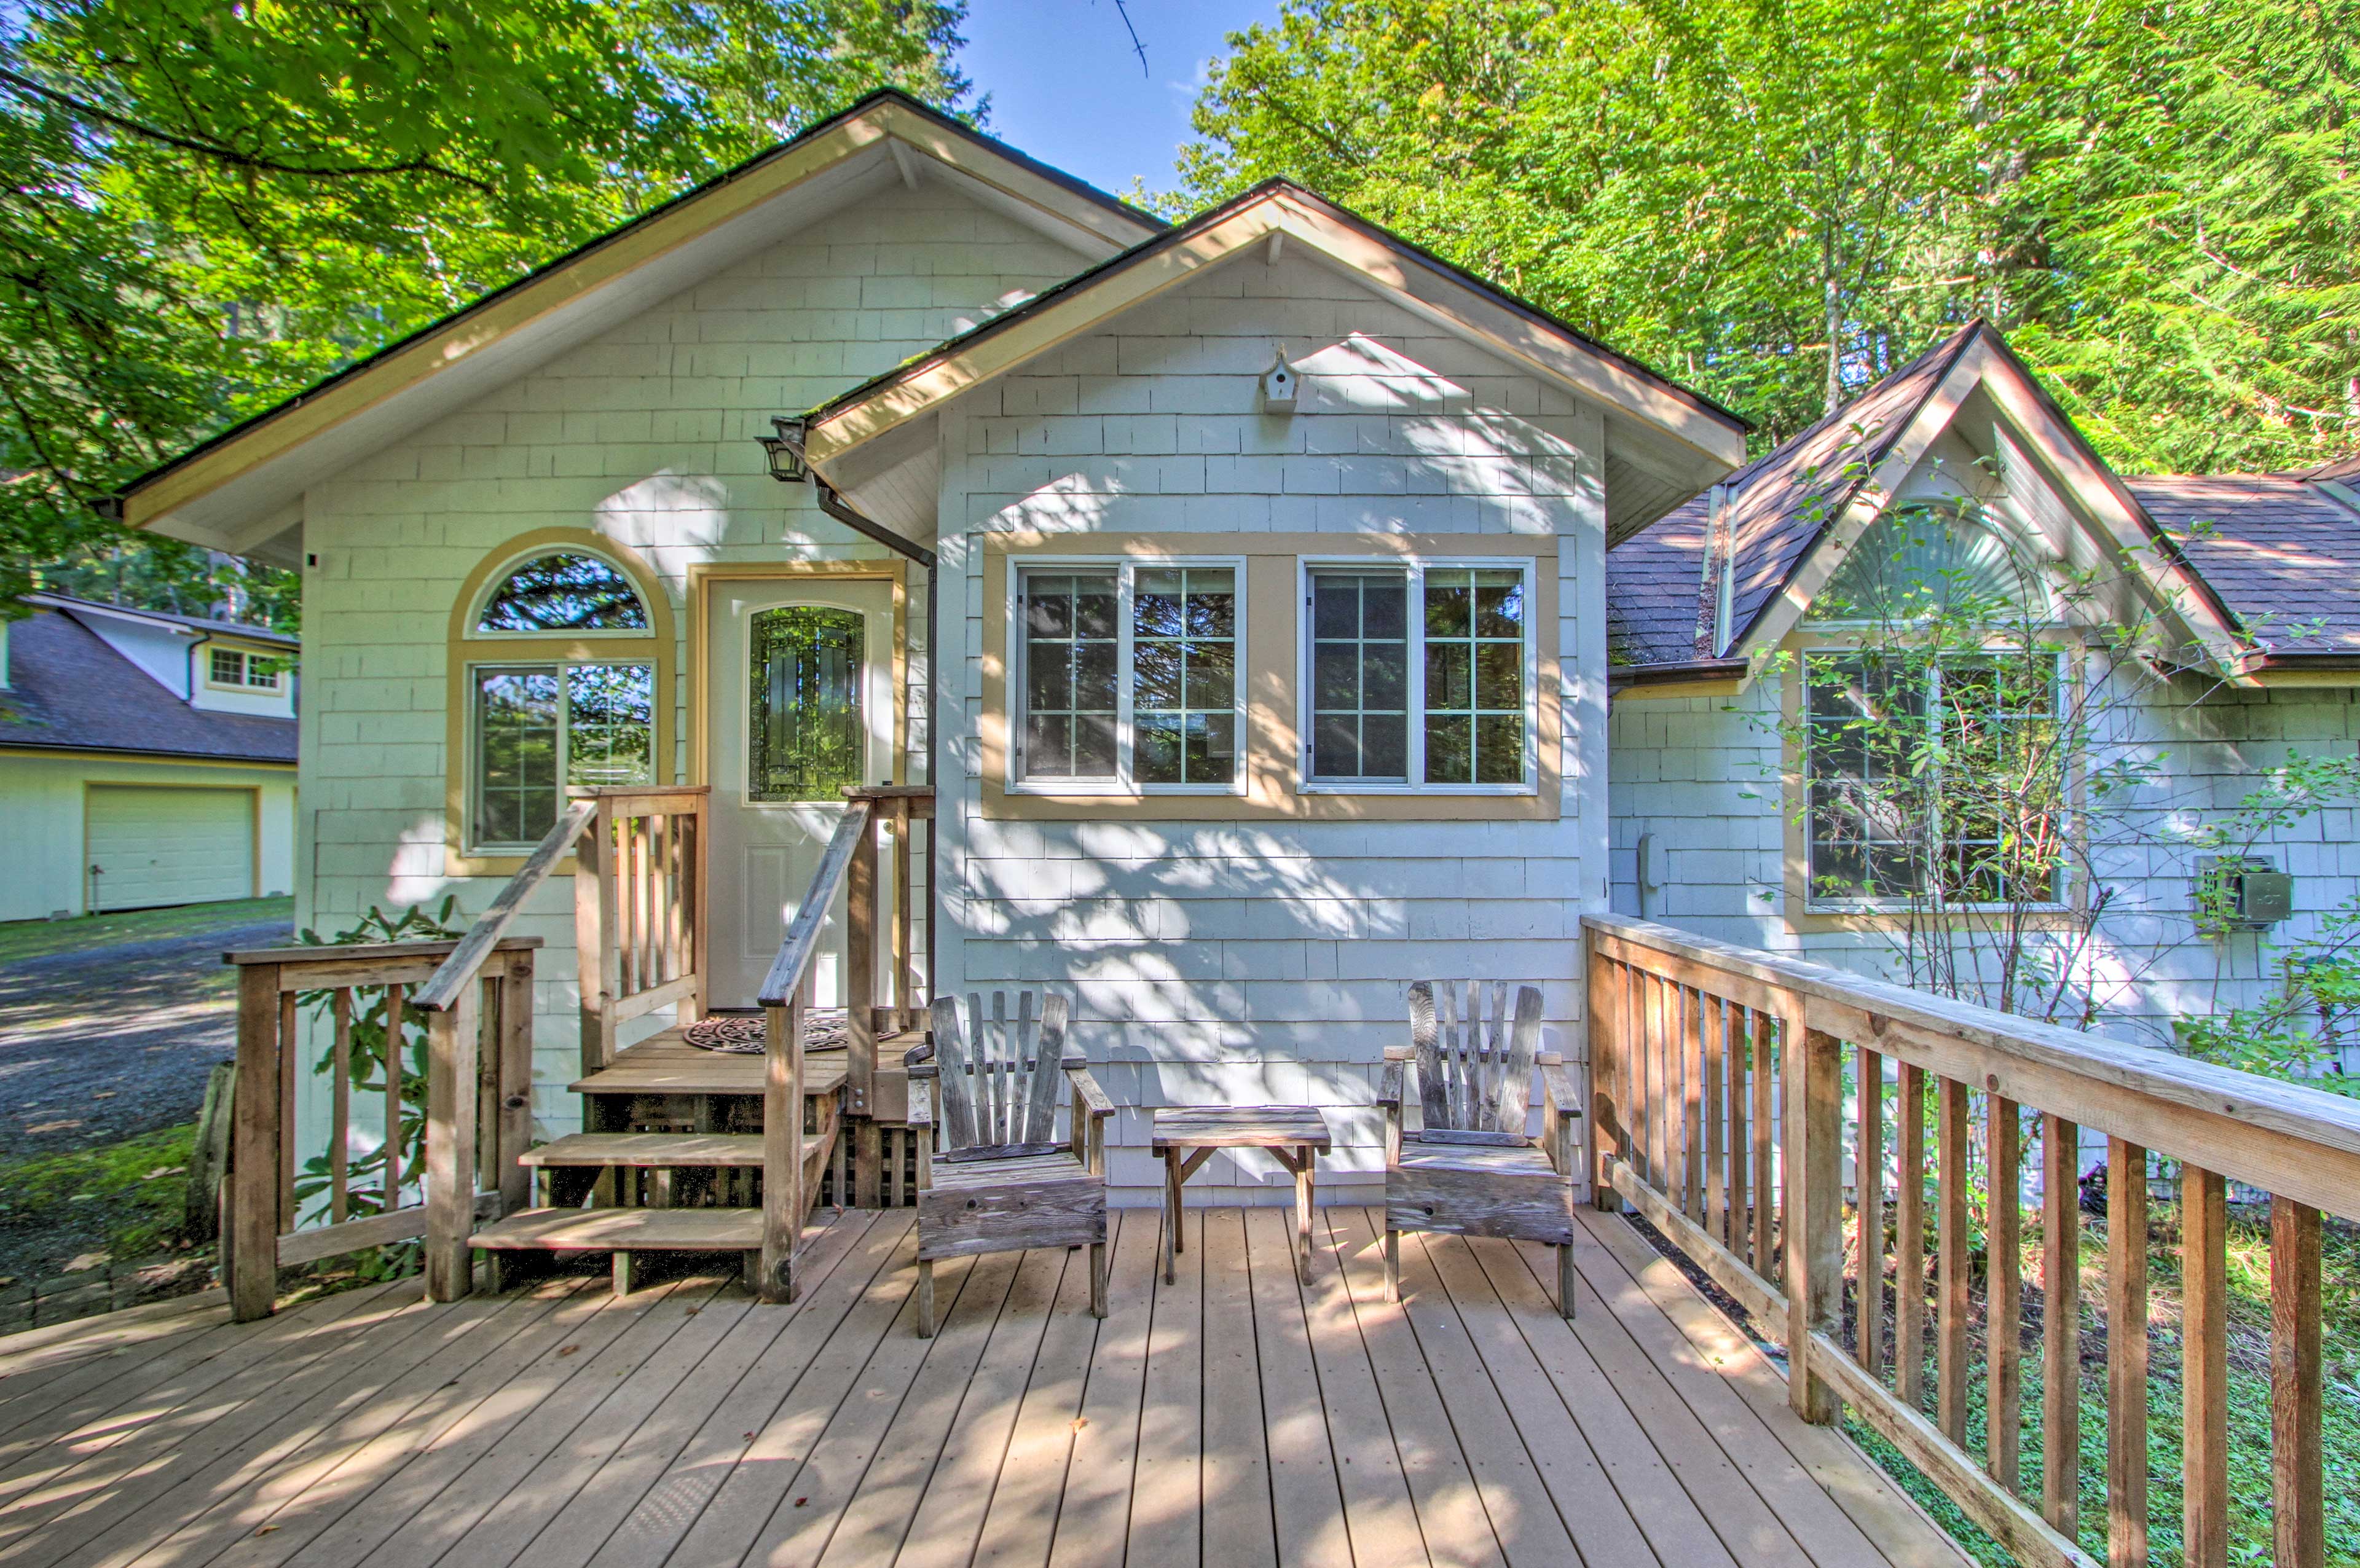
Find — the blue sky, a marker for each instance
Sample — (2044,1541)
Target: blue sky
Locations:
(1066,89)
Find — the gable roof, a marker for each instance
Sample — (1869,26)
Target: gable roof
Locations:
(2282,551)
(1786,516)
(81,607)
(68,690)
(233,491)
(1281,211)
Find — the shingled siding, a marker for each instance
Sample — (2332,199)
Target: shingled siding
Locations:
(646,436)
(1267,961)
(1699,773)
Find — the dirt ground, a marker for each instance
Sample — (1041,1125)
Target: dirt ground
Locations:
(110,1031)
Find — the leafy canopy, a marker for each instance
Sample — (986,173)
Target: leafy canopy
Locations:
(1781,201)
(209,206)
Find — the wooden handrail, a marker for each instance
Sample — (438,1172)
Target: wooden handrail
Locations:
(451,981)
(1729,1087)
(801,944)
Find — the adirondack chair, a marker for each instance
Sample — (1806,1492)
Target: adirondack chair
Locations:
(1472,1170)
(994,1178)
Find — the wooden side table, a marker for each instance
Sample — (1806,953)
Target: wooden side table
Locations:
(1295,1135)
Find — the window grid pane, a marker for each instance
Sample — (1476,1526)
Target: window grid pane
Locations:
(1072,661)
(1474,621)
(609,725)
(1184,673)
(228,667)
(516,754)
(1360,676)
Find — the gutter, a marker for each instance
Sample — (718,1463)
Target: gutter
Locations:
(1672,678)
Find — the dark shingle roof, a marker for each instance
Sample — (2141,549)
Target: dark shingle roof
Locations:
(2283,553)
(200,623)
(69,690)
(1777,507)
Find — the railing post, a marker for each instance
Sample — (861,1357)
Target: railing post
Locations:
(252,1235)
(1602,1007)
(594,936)
(514,1084)
(2298,1468)
(450,1058)
(1813,1122)
(782,1148)
(860,971)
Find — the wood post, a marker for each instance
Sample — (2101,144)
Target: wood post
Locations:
(860,976)
(2004,1296)
(595,937)
(2061,1325)
(782,1150)
(1910,1245)
(452,1045)
(1814,1176)
(2205,1367)
(1868,1183)
(2126,1353)
(1605,996)
(513,1085)
(252,1235)
(2296,1458)
(1951,1267)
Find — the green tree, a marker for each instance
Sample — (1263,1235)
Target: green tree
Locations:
(209,206)
(1779,200)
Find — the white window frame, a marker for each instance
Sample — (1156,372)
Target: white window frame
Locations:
(1126,569)
(1416,567)
(478,632)
(474,689)
(1817,903)
(246,661)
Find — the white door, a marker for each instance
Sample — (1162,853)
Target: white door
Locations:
(801,705)
(151,846)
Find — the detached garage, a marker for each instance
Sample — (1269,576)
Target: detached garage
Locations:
(147,845)
(146,759)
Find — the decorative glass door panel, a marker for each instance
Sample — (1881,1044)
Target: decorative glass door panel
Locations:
(806,740)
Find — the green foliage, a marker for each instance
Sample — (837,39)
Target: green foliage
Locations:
(1779,200)
(133,1186)
(212,206)
(375,1051)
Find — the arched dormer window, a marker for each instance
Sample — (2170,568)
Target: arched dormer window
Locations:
(1934,562)
(562,657)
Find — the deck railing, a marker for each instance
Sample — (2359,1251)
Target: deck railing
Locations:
(638,910)
(293,1201)
(1729,1087)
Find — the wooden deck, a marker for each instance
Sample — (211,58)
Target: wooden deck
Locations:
(1234,1419)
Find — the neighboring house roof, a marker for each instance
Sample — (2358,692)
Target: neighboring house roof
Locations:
(239,629)
(236,490)
(1780,512)
(1280,213)
(2282,552)
(70,691)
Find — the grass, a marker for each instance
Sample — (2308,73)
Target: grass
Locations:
(124,1199)
(2248,1396)
(21,940)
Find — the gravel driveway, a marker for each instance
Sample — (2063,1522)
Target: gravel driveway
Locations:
(106,1040)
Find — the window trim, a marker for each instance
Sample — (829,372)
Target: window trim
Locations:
(244,683)
(471,607)
(1806,910)
(464,649)
(1124,784)
(473,687)
(1416,567)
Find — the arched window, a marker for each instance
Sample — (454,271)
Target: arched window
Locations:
(564,591)
(1931,560)
(560,661)
(808,741)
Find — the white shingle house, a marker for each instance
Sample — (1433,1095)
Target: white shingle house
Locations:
(1241,588)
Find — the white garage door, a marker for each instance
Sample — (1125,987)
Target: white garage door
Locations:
(169,846)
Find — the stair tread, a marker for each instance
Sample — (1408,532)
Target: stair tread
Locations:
(649,1149)
(637,1230)
(667,1064)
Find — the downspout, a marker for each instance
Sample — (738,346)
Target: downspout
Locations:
(837,506)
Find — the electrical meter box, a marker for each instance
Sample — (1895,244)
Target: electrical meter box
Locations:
(2242,892)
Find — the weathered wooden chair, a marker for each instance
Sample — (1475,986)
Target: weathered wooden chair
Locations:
(1472,1170)
(995,1179)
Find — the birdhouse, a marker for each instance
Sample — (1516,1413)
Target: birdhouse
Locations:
(1278,384)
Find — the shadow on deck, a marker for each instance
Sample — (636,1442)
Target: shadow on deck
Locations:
(1235,1418)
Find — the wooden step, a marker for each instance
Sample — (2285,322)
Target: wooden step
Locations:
(619,1230)
(667,1064)
(652,1149)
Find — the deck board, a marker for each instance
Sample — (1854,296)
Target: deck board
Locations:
(1241,1415)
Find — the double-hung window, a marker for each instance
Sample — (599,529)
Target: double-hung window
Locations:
(1127,677)
(1418,676)
(237,667)
(1933,781)
(553,708)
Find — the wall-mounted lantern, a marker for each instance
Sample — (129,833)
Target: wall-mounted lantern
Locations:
(1278,385)
(784,450)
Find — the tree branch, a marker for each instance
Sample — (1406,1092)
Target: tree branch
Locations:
(230,155)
